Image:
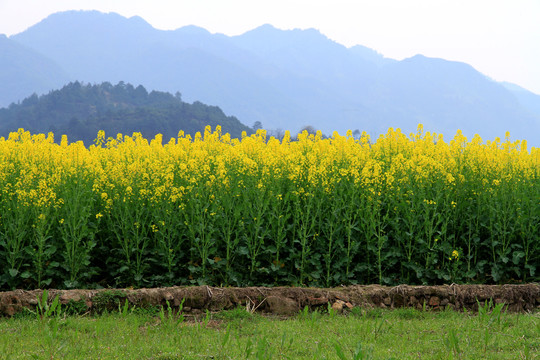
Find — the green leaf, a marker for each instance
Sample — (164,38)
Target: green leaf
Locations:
(495,273)
(339,351)
(50,250)
(243,250)
(274,267)
(71,284)
(13,272)
(517,256)
(481,264)
(532,269)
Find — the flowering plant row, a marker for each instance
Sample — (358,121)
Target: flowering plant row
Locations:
(213,210)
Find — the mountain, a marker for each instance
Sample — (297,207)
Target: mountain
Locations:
(81,110)
(370,55)
(24,71)
(286,79)
(443,94)
(526,98)
(204,67)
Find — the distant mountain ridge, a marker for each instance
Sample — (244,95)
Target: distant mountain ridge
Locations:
(285,79)
(81,110)
(24,71)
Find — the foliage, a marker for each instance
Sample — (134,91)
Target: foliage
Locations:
(81,110)
(108,300)
(259,211)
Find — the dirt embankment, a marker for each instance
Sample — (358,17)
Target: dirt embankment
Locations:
(285,300)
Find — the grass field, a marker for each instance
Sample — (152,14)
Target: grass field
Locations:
(238,334)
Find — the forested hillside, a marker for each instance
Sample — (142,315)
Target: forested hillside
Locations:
(81,110)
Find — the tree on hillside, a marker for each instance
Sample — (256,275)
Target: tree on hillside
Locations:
(276,133)
(81,110)
(310,129)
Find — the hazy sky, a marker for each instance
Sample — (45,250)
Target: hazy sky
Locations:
(500,38)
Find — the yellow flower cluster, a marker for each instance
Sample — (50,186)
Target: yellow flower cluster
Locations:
(307,192)
(131,168)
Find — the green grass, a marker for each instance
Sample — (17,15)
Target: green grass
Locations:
(237,334)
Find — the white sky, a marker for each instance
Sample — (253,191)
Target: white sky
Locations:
(500,38)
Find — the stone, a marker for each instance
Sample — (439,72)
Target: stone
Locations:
(434,301)
(168,297)
(317,301)
(338,306)
(281,305)
(399,300)
(33,301)
(73,295)
(11,310)
(177,301)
